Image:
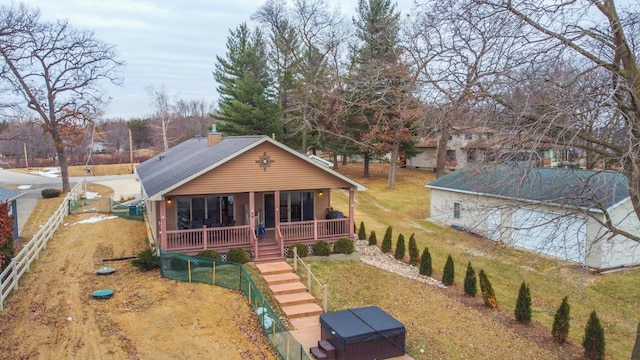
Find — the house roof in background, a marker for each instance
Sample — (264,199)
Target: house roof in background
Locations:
(587,189)
(7,195)
(192,158)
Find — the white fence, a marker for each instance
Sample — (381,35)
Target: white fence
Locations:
(21,262)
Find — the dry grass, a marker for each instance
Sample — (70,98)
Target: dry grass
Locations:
(613,296)
(79,170)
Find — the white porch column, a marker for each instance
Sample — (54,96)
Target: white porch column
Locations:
(351,211)
(163,225)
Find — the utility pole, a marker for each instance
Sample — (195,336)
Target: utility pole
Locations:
(26,159)
(131,149)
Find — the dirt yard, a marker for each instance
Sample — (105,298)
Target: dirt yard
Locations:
(53,316)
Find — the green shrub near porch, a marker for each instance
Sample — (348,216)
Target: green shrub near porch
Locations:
(343,246)
(321,248)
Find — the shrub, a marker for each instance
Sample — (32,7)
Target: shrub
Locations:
(50,193)
(560,330)
(343,246)
(7,248)
(237,255)
(414,253)
(401,249)
(146,260)
(362,233)
(178,263)
(321,248)
(373,240)
(593,341)
(523,305)
(302,249)
(386,242)
(210,254)
(470,283)
(425,263)
(488,294)
(448,272)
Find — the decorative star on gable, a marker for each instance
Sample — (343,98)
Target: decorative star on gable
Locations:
(265,161)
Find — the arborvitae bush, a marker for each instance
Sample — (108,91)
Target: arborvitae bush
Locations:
(210,254)
(372,238)
(426,268)
(237,255)
(523,305)
(560,330)
(448,272)
(386,242)
(362,233)
(146,260)
(50,193)
(414,253)
(488,294)
(302,249)
(593,341)
(343,246)
(401,249)
(470,283)
(321,248)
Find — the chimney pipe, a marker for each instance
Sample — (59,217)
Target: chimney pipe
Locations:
(214,136)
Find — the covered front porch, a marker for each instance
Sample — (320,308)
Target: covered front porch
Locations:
(265,224)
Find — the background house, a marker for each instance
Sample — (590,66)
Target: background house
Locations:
(558,212)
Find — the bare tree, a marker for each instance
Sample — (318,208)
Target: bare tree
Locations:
(55,70)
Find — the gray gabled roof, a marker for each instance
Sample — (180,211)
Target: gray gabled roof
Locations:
(194,157)
(7,195)
(586,189)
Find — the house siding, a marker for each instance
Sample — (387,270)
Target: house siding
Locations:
(621,251)
(243,174)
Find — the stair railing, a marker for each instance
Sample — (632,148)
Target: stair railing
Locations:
(310,277)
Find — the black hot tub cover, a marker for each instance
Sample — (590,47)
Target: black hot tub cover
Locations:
(362,324)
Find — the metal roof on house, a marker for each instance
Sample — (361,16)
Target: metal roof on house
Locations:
(194,157)
(7,195)
(587,189)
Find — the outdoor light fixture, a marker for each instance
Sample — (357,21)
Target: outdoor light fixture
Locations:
(320,193)
(169,201)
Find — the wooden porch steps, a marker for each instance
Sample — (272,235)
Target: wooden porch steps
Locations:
(290,293)
(269,252)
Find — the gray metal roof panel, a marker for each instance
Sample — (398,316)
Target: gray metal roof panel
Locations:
(8,194)
(569,187)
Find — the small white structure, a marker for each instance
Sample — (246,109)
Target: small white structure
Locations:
(559,212)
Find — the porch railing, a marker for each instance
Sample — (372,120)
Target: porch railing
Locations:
(315,229)
(310,277)
(208,238)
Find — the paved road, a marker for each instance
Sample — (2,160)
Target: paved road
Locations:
(125,186)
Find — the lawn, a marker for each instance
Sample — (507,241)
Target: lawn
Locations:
(406,208)
(96,170)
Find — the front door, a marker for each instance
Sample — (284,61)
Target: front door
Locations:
(269,211)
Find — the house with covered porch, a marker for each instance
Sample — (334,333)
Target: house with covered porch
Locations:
(248,192)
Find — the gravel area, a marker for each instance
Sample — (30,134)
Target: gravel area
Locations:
(372,255)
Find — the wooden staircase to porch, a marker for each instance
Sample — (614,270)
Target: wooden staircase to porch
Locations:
(290,293)
(268,251)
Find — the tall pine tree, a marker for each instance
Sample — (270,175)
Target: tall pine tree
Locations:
(560,329)
(593,341)
(523,305)
(470,283)
(247,105)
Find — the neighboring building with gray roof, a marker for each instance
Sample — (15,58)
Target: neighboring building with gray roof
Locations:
(559,212)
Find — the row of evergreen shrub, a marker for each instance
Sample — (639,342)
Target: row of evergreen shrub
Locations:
(322,248)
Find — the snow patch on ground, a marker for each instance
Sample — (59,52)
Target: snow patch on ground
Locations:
(24,187)
(91,195)
(95,219)
(48,172)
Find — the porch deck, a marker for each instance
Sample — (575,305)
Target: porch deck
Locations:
(222,239)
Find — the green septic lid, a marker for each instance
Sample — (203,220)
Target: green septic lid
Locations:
(103,294)
(105,270)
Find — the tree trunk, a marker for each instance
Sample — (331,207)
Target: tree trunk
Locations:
(367,159)
(391,183)
(62,160)
(344,159)
(335,161)
(303,147)
(442,152)
(635,354)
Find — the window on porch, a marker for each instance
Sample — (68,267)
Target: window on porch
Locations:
(296,206)
(204,210)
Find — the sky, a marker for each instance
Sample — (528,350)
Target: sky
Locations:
(170,44)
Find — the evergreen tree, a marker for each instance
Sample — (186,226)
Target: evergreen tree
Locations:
(373,240)
(593,341)
(414,253)
(400,248)
(560,330)
(386,242)
(246,105)
(448,272)
(523,305)
(362,233)
(426,268)
(470,283)
(488,294)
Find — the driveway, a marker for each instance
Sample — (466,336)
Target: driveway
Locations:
(125,187)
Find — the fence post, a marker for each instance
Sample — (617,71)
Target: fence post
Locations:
(309,277)
(295,259)
(213,276)
(324,298)
(189,269)
(14,272)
